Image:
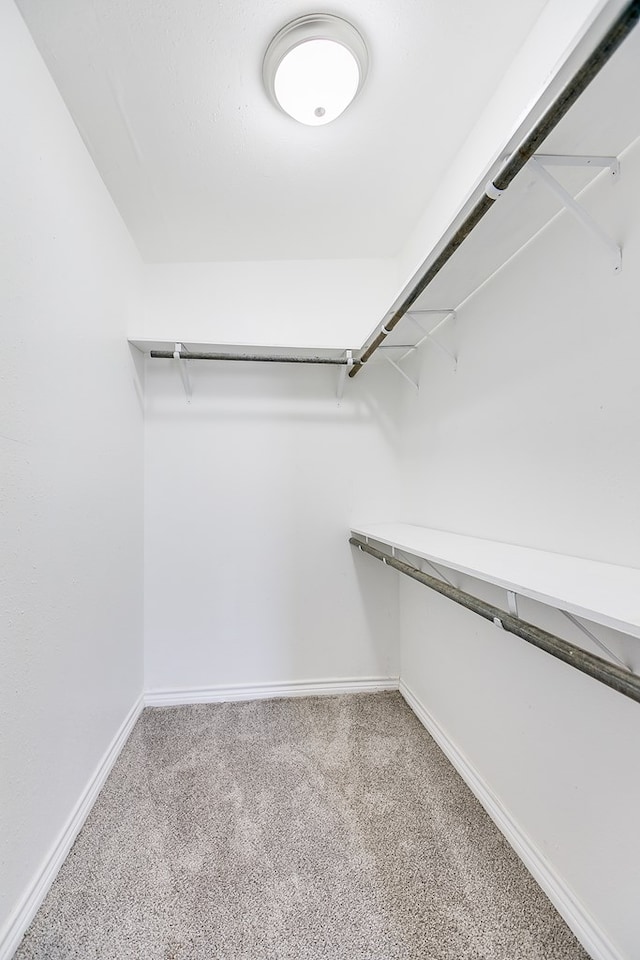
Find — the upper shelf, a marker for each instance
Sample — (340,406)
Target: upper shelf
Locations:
(601,592)
(599,123)
(145,345)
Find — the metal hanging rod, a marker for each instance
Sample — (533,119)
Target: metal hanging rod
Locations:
(618,32)
(259,358)
(618,678)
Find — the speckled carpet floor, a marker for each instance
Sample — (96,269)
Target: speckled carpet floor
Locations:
(292,829)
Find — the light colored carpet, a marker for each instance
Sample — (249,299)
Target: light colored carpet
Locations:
(292,829)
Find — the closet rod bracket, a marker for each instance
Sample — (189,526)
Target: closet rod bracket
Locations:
(184,373)
(342,375)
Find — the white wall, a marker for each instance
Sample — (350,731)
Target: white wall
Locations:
(317,303)
(535,441)
(71,449)
(249,494)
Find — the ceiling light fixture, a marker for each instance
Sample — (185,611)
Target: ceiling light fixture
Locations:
(314,67)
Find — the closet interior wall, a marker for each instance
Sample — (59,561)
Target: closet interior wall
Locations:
(71,436)
(248,492)
(534,440)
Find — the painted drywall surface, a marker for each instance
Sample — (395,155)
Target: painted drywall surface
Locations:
(543,407)
(71,448)
(534,440)
(314,303)
(564,33)
(249,494)
(554,746)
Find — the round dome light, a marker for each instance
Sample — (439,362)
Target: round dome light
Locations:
(314,67)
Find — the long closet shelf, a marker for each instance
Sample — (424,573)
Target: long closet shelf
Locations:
(604,593)
(234,349)
(146,345)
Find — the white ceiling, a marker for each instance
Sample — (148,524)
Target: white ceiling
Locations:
(168,97)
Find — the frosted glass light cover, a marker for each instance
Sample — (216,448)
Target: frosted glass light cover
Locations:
(314,67)
(316,81)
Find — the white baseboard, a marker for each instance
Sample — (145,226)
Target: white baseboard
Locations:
(264,691)
(27,908)
(573,912)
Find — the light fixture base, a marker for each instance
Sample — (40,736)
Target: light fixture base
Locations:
(341,39)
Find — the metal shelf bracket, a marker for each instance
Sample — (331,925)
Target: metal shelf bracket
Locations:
(449,314)
(539,163)
(414,383)
(420,563)
(599,643)
(342,375)
(184,373)
(568,160)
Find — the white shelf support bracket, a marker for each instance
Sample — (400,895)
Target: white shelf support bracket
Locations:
(413,315)
(184,373)
(439,573)
(567,160)
(410,559)
(601,646)
(414,383)
(614,252)
(421,563)
(342,375)
(512,602)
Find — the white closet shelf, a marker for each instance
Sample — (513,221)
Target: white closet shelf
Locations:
(148,344)
(604,593)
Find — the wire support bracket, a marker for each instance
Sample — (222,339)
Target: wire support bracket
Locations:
(595,640)
(428,335)
(538,164)
(184,373)
(439,573)
(414,383)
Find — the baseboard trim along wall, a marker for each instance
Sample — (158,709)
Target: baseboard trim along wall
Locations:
(264,691)
(573,912)
(576,916)
(27,908)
